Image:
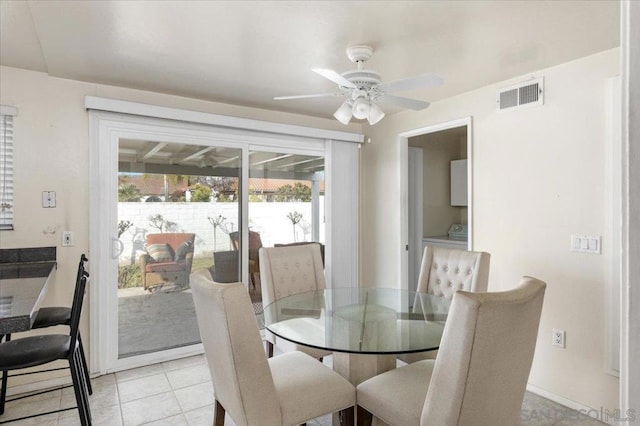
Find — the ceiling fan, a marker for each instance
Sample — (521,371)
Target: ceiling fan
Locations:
(365,90)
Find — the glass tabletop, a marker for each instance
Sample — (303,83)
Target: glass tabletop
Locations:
(360,320)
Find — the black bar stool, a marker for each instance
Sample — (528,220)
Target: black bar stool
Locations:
(52,316)
(39,350)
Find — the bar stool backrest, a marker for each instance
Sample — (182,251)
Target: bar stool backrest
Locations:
(78,297)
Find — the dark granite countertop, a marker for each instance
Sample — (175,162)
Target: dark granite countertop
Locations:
(25,270)
(24,276)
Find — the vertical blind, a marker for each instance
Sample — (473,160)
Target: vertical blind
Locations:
(6,168)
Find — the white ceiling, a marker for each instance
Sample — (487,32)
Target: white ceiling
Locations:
(248,52)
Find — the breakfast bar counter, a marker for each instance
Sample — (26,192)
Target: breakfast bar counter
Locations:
(23,286)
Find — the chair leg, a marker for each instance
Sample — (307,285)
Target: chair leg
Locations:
(5,377)
(83,383)
(85,366)
(82,400)
(365,418)
(269,349)
(3,393)
(347,416)
(218,414)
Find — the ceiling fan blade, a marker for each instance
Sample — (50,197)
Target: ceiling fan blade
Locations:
(316,95)
(413,104)
(424,80)
(335,77)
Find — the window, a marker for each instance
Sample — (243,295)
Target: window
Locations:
(6,166)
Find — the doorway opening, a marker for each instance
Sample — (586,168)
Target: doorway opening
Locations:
(436,192)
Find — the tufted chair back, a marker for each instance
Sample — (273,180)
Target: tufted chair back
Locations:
(445,271)
(480,375)
(239,371)
(442,273)
(290,270)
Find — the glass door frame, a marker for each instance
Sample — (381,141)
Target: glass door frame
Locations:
(106,130)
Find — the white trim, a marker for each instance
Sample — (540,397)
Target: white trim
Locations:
(613,214)
(8,110)
(630,243)
(403,139)
(570,403)
(243,205)
(415,209)
(115,105)
(156,357)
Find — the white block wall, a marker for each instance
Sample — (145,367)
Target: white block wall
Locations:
(269,219)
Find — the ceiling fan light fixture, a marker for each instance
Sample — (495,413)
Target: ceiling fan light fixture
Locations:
(361,108)
(375,114)
(364,87)
(344,113)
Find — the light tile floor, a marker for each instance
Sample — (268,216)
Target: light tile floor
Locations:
(180,393)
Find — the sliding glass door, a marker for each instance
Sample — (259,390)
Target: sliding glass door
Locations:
(169,198)
(178,212)
(185,207)
(285,203)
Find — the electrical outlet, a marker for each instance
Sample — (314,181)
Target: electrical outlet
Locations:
(67,238)
(557,338)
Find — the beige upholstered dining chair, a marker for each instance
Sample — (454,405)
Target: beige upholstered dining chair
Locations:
(443,272)
(290,270)
(288,389)
(480,374)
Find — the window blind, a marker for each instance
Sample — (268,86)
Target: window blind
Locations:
(6,171)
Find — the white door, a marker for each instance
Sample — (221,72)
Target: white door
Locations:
(414,194)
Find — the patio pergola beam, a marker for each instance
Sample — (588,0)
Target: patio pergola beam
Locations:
(178,169)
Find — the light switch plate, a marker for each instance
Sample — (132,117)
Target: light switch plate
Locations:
(586,243)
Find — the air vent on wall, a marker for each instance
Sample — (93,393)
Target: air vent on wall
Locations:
(528,93)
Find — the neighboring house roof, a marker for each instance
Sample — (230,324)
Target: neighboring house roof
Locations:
(154,184)
(271,185)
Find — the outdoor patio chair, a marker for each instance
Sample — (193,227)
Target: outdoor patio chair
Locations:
(255,244)
(168,259)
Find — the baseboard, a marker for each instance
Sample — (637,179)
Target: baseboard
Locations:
(588,411)
(38,386)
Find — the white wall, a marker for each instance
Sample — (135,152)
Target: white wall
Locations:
(538,177)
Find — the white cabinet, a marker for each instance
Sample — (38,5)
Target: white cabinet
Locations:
(459,195)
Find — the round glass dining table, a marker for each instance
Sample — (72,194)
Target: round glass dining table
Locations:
(373,321)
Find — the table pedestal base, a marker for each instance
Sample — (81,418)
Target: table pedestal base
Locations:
(357,368)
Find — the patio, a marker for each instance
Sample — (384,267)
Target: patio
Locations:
(149,321)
